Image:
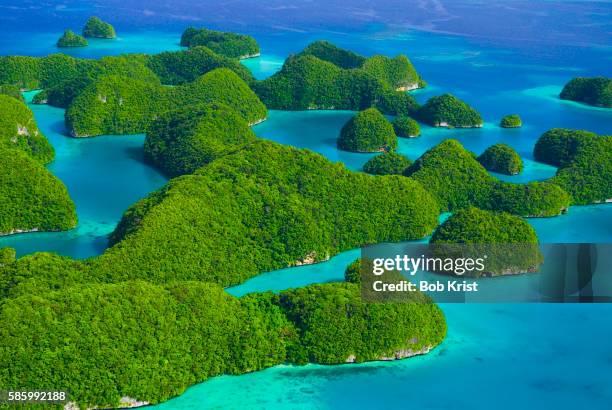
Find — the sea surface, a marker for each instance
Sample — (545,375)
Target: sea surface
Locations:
(504,356)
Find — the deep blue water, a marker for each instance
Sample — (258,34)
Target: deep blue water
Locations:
(501,56)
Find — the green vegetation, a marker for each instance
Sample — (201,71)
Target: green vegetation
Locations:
(115,105)
(18,130)
(594,91)
(94,27)
(179,142)
(397,73)
(151,342)
(226,44)
(326,51)
(406,127)
(511,121)
(457,180)
(121,105)
(306,82)
(12,91)
(501,158)
(180,67)
(584,160)
(367,131)
(510,243)
(352,273)
(449,111)
(324,76)
(335,325)
(263,208)
(388,163)
(7,256)
(71,39)
(31,198)
(63,77)
(397,103)
(221,86)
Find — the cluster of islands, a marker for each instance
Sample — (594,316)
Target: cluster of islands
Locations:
(150,317)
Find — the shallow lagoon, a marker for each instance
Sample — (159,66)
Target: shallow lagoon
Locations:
(500,355)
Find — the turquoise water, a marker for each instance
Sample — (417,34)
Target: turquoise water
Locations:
(104,176)
(497,355)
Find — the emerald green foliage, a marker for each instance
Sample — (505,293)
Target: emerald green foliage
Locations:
(63,94)
(453,175)
(367,131)
(7,256)
(559,146)
(179,142)
(12,91)
(102,342)
(536,199)
(449,111)
(388,163)
(584,160)
(115,105)
(221,86)
(226,44)
(518,251)
(71,39)
(62,77)
(324,76)
(590,90)
(335,325)
(30,196)
(180,67)
(511,121)
(397,73)
(326,51)
(18,130)
(306,82)
(406,127)
(393,102)
(262,208)
(121,105)
(352,273)
(501,158)
(20,71)
(457,180)
(94,27)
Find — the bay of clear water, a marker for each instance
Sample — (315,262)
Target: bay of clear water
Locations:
(495,355)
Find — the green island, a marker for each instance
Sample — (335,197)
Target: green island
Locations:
(31,198)
(501,158)
(367,131)
(179,142)
(227,44)
(510,243)
(96,28)
(406,127)
(589,90)
(584,160)
(511,121)
(457,180)
(122,105)
(449,111)
(71,39)
(324,76)
(388,163)
(168,337)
